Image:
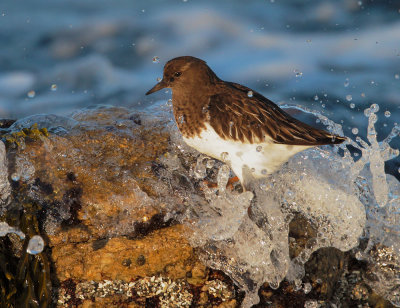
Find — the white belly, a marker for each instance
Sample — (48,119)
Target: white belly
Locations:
(260,159)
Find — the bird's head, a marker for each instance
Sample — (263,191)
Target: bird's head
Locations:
(185,73)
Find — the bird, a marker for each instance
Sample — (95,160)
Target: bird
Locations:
(233,123)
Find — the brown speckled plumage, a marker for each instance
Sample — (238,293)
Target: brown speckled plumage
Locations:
(200,97)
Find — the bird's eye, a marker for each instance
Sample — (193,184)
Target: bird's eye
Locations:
(177,74)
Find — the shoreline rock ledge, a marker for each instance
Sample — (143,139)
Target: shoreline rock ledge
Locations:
(95,187)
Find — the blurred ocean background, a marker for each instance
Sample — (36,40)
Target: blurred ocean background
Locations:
(336,57)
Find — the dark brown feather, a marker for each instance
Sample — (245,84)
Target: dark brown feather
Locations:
(200,97)
(256,116)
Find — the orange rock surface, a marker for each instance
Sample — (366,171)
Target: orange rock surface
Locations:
(164,251)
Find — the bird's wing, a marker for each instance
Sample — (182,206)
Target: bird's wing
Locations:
(235,115)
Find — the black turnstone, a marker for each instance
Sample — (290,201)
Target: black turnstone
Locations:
(233,123)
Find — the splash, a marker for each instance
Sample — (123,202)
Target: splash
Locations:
(340,196)
(35,244)
(5,229)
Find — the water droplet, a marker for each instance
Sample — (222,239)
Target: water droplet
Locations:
(297,284)
(367,112)
(230,123)
(210,163)
(53,87)
(346,83)
(312,303)
(349,98)
(259,148)
(307,288)
(159,79)
(263,185)
(352,105)
(204,109)
(316,97)
(355,130)
(156,59)
(274,285)
(372,119)
(264,172)
(374,108)
(387,114)
(298,73)
(35,245)
(250,94)
(397,76)
(323,105)
(31,94)
(15,177)
(181,119)
(224,156)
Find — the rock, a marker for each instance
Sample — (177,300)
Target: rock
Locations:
(100,173)
(300,231)
(110,212)
(164,251)
(327,266)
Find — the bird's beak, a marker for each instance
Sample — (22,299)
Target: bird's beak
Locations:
(161,85)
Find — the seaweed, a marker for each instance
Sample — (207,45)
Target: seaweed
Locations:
(24,278)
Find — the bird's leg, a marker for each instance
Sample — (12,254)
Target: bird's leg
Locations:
(231,182)
(229,185)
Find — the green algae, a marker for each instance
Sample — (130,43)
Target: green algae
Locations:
(32,133)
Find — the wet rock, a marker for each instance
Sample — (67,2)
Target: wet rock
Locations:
(326,266)
(154,291)
(164,251)
(100,171)
(110,191)
(300,231)
(6,123)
